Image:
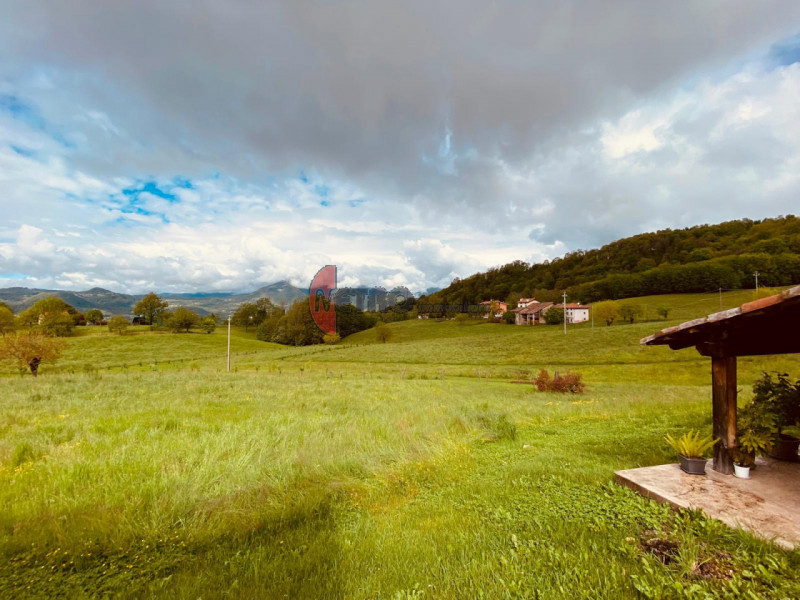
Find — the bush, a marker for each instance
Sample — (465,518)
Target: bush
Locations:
(568,382)
(554,316)
(208,324)
(383,332)
(331,339)
(629,311)
(118,324)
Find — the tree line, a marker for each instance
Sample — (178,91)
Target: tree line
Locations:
(696,259)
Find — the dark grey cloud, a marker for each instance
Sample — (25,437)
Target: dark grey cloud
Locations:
(476,115)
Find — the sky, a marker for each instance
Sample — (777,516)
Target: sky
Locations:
(217,146)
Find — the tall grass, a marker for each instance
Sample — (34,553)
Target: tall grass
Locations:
(411,469)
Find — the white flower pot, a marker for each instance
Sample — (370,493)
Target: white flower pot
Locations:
(741,472)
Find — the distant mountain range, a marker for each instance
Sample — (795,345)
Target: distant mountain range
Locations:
(220,303)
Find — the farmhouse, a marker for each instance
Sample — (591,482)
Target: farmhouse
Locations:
(502,307)
(533,313)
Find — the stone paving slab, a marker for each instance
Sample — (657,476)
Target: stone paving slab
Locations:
(767,504)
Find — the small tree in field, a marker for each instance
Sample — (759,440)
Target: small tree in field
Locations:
(94,316)
(607,311)
(663,312)
(118,324)
(151,306)
(208,324)
(7,324)
(383,332)
(554,316)
(29,350)
(183,319)
(629,311)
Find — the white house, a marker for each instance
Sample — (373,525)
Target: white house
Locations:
(533,313)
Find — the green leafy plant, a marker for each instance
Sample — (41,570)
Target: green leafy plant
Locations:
(690,444)
(757,429)
(778,396)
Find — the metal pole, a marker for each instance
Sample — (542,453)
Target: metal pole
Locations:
(565,313)
(756,275)
(229,344)
(720,298)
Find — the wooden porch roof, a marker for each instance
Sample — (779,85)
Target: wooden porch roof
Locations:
(769,325)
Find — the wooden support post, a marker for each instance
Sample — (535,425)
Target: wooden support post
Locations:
(723,390)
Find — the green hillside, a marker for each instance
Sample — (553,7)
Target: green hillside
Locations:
(696,259)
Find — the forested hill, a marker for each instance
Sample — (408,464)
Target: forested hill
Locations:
(696,259)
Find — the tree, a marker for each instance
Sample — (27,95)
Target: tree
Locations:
(663,312)
(208,324)
(31,349)
(94,316)
(118,324)
(266,331)
(245,315)
(264,310)
(554,316)
(629,311)
(151,307)
(7,324)
(11,310)
(607,311)
(183,318)
(510,317)
(50,315)
(383,332)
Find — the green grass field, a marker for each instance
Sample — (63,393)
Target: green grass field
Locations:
(138,467)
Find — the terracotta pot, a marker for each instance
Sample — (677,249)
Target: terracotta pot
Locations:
(693,466)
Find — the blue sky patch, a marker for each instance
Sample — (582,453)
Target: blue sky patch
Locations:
(22,151)
(151,187)
(787,52)
(30,115)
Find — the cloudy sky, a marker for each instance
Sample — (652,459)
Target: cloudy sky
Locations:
(205,145)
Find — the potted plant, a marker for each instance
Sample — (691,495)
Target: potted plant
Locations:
(691,448)
(781,397)
(756,435)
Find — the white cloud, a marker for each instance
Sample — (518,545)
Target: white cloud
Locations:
(436,151)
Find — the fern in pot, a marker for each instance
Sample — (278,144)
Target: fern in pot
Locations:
(692,449)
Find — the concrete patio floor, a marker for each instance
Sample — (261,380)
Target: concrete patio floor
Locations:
(767,504)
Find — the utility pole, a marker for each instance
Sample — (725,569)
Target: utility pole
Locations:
(756,274)
(229,344)
(720,298)
(565,313)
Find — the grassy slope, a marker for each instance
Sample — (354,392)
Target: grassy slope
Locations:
(361,470)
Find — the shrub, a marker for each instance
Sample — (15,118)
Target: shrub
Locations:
(208,324)
(331,339)
(383,332)
(118,324)
(629,311)
(554,316)
(29,350)
(607,311)
(568,382)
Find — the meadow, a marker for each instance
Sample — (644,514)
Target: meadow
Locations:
(138,467)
